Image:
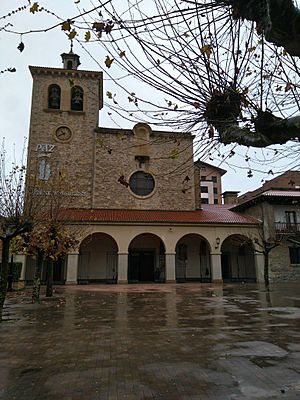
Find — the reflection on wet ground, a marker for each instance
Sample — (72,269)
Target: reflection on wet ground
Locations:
(165,341)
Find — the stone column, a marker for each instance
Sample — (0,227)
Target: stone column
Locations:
(170,268)
(72,268)
(259,267)
(216,268)
(123,267)
(22,259)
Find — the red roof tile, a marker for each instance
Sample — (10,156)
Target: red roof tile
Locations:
(210,214)
(282,193)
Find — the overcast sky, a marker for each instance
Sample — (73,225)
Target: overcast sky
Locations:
(44,49)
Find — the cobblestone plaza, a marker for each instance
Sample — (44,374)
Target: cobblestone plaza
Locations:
(164,341)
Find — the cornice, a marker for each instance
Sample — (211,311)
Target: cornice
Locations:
(64,72)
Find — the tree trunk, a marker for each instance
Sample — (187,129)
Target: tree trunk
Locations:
(266,270)
(49,288)
(10,274)
(37,278)
(4,273)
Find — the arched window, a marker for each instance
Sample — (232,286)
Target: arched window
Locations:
(54,97)
(77,98)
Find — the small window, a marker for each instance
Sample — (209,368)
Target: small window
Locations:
(204,189)
(141,183)
(294,255)
(69,65)
(204,201)
(216,201)
(77,98)
(54,97)
(215,190)
(203,178)
(214,179)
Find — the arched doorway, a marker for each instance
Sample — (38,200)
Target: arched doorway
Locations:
(238,264)
(98,259)
(193,259)
(146,259)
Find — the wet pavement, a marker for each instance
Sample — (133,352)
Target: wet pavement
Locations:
(164,341)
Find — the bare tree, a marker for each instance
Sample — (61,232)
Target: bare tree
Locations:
(227,69)
(224,77)
(50,239)
(14,218)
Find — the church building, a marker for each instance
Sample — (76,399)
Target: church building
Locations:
(133,196)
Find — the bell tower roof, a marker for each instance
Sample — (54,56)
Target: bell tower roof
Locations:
(70,60)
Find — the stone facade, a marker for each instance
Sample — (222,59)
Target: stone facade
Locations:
(281,269)
(168,159)
(97,169)
(67,158)
(93,159)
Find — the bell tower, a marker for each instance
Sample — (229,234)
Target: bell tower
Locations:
(64,115)
(70,60)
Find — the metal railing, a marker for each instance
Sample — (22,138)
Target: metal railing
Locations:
(287,227)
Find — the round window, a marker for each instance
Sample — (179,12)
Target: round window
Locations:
(141,183)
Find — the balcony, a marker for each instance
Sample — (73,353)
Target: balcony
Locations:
(287,227)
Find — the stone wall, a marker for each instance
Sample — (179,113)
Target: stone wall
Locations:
(281,270)
(169,160)
(72,160)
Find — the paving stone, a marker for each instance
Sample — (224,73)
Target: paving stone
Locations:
(166,341)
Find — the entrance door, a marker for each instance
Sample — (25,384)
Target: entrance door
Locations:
(141,266)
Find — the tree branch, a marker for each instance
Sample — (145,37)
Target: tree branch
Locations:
(277,131)
(278,19)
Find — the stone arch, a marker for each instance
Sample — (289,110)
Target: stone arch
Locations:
(192,262)
(146,259)
(98,259)
(237,260)
(54,95)
(77,98)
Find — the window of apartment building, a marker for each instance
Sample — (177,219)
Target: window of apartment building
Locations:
(290,217)
(215,190)
(204,201)
(214,179)
(294,255)
(204,189)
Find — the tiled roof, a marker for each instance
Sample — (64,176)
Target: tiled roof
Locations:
(282,193)
(286,182)
(259,196)
(210,214)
